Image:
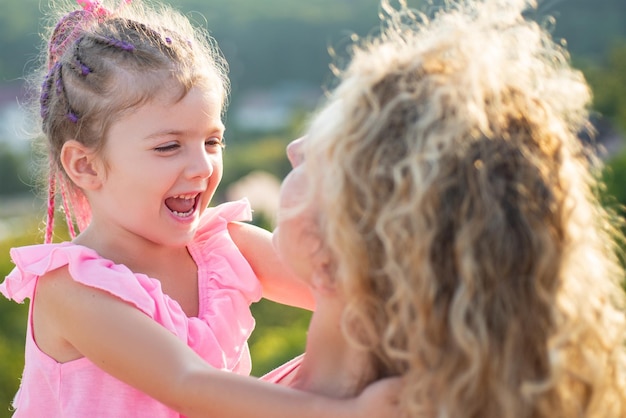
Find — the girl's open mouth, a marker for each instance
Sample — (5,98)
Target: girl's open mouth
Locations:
(182,205)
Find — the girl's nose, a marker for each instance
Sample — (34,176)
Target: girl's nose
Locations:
(200,164)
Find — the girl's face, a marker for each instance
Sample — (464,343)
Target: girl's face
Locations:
(296,237)
(162,165)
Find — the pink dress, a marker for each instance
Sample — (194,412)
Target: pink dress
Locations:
(78,389)
(284,374)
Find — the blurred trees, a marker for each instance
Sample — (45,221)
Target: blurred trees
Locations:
(19,21)
(12,327)
(608,82)
(14,172)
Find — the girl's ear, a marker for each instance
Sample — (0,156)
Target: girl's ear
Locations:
(81,165)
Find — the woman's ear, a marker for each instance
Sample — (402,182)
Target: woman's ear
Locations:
(81,165)
(322,279)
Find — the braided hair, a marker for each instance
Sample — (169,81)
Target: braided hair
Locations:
(102,63)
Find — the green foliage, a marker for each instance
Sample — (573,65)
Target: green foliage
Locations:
(614,197)
(608,83)
(13,172)
(266,41)
(614,176)
(12,326)
(242,12)
(18,37)
(279,336)
(10,370)
(588,27)
(267,153)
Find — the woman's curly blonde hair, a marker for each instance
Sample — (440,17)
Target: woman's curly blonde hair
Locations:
(463,217)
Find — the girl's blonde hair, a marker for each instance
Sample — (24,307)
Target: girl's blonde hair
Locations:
(462,213)
(104,60)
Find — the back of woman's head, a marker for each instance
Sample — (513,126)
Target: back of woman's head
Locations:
(461,211)
(102,62)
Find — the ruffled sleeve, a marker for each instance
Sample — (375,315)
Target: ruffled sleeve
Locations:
(17,286)
(227,286)
(285,373)
(85,266)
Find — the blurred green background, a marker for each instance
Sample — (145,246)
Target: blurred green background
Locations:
(278,52)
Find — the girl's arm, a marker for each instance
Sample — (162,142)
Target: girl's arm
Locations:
(130,346)
(279,283)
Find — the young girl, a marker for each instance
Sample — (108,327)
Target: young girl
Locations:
(137,315)
(445,213)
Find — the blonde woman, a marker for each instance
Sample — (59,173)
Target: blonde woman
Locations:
(445,214)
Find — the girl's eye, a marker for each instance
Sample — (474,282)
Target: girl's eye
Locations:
(214,142)
(167,147)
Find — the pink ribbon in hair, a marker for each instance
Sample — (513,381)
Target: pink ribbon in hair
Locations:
(70,26)
(94,6)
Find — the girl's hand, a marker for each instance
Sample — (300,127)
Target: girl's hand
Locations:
(380,399)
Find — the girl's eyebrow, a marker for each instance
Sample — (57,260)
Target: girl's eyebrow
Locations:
(179,133)
(165,133)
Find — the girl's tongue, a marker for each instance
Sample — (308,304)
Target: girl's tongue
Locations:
(180,205)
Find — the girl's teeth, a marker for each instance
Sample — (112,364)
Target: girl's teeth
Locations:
(183,214)
(181,205)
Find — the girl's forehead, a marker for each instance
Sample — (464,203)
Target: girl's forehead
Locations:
(163,109)
(173,91)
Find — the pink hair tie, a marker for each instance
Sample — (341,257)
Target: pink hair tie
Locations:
(70,27)
(94,7)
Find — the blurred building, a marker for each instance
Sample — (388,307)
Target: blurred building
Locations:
(13,117)
(267,110)
(261,189)
(605,138)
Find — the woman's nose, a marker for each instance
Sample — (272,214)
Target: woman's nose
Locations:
(294,151)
